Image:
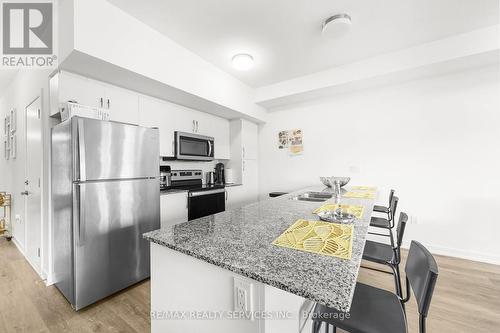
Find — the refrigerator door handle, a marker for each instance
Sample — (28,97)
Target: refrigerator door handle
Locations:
(81,214)
(81,149)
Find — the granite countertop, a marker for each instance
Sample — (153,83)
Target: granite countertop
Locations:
(240,240)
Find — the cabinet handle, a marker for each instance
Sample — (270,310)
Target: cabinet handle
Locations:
(226,194)
(173,148)
(102,102)
(197,126)
(108,103)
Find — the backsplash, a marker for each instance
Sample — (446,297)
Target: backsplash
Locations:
(192,165)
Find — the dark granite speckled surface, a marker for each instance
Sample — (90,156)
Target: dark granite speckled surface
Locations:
(240,240)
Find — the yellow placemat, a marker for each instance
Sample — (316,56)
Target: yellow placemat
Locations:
(359,195)
(356,210)
(330,239)
(364,188)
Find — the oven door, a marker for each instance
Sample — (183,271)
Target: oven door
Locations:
(189,146)
(204,203)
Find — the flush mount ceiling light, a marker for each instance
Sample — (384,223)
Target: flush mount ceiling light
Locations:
(336,25)
(242,62)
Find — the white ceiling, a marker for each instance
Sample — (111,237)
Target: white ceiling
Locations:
(6,76)
(284,36)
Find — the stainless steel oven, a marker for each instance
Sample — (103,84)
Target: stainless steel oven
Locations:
(194,147)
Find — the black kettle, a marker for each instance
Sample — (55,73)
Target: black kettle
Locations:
(219,174)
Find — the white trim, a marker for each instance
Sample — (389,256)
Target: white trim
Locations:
(19,246)
(21,249)
(462,254)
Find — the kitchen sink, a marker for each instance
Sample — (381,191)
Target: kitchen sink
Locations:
(313,196)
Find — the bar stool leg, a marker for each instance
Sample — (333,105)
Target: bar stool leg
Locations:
(316,326)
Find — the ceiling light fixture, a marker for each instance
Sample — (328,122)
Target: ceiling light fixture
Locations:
(336,25)
(242,62)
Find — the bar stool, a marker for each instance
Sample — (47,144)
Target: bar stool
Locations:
(386,223)
(383,209)
(385,254)
(375,310)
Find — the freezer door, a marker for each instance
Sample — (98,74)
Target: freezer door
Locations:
(111,150)
(110,253)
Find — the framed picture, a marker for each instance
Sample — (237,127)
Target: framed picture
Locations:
(6,124)
(7,148)
(13,120)
(13,146)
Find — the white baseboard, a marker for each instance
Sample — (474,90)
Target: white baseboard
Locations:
(21,249)
(19,246)
(462,254)
(50,279)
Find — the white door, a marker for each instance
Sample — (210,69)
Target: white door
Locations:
(33,172)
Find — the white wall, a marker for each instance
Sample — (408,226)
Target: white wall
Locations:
(435,140)
(25,87)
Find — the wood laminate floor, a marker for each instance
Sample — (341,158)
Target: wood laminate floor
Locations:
(466,299)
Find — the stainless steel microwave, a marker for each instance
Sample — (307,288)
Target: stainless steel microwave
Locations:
(194,147)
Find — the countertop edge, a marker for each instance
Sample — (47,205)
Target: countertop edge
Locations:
(273,283)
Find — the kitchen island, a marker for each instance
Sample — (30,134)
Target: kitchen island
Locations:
(195,266)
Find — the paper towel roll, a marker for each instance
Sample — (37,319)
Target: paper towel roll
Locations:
(229,175)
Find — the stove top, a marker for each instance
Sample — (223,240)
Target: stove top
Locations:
(191,180)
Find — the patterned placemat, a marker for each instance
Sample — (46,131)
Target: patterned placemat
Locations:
(330,239)
(356,210)
(359,195)
(364,188)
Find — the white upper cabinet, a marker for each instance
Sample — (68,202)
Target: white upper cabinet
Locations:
(156,113)
(129,107)
(78,89)
(123,105)
(249,140)
(169,117)
(216,127)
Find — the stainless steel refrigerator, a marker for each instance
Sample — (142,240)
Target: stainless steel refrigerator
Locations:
(105,195)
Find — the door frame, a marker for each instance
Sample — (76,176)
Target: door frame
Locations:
(39,269)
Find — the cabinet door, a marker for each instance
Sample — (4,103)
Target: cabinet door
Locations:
(77,88)
(235,197)
(249,138)
(156,113)
(173,209)
(250,180)
(123,105)
(218,128)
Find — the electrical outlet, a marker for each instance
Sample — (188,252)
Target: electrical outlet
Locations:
(18,218)
(354,169)
(243,300)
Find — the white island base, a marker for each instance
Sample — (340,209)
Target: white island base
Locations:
(192,296)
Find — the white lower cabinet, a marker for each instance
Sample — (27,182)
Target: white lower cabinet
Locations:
(173,208)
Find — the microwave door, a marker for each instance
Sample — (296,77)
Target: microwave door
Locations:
(194,147)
